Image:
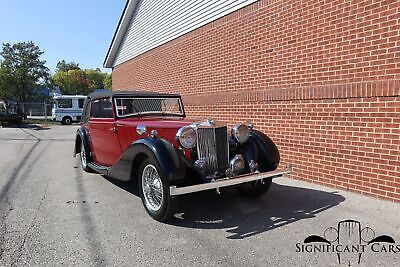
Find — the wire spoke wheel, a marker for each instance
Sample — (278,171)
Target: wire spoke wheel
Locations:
(152,188)
(83,157)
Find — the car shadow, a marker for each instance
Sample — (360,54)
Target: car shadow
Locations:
(243,217)
(127,186)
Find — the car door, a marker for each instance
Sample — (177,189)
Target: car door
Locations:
(105,144)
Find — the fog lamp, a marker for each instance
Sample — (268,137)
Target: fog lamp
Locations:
(200,164)
(237,164)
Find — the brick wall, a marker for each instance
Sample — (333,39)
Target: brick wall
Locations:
(322,78)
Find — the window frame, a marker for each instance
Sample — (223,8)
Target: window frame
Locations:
(86,110)
(148,113)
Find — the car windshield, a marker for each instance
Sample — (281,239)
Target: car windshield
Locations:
(132,106)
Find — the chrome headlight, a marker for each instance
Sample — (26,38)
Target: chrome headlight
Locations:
(187,137)
(241,133)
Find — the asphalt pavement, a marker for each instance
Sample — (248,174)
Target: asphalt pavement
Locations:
(53,213)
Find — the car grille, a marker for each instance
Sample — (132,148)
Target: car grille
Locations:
(212,146)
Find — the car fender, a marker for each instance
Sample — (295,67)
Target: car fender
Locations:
(170,160)
(82,136)
(263,150)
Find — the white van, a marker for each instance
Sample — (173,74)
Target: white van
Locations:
(67,108)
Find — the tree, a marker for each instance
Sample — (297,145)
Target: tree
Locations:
(107,82)
(21,70)
(95,78)
(72,80)
(64,66)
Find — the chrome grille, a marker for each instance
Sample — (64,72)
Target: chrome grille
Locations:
(212,146)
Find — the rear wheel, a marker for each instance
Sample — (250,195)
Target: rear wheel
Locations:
(66,120)
(255,189)
(154,191)
(84,161)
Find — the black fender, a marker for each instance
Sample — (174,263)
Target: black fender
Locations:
(170,160)
(268,156)
(82,136)
(262,150)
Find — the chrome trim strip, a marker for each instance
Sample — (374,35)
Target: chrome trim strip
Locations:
(224,182)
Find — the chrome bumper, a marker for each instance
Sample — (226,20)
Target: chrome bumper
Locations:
(224,182)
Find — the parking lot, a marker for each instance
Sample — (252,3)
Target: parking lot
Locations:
(52,213)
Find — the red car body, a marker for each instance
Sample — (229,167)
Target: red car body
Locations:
(110,137)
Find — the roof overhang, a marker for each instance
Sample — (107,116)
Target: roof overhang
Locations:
(123,24)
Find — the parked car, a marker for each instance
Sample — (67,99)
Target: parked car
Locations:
(10,112)
(67,108)
(145,138)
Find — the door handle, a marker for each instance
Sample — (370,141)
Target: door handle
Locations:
(114,129)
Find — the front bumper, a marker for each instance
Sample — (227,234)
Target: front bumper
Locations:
(224,182)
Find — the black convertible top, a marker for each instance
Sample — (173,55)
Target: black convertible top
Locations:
(106,93)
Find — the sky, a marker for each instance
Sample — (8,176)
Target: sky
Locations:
(73,30)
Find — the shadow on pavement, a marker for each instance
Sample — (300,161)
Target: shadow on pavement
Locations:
(35,127)
(96,248)
(127,186)
(244,217)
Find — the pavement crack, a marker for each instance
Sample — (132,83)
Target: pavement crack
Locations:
(17,255)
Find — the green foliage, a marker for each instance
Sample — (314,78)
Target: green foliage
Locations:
(64,66)
(74,80)
(21,70)
(107,82)
(95,78)
(71,82)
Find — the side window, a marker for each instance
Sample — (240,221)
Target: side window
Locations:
(101,108)
(86,112)
(80,103)
(64,103)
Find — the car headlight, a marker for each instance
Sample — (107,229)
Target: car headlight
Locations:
(187,137)
(241,133)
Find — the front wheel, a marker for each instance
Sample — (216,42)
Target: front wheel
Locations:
(154,191)
(255,189)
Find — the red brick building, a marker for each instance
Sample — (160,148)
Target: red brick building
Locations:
(321,78)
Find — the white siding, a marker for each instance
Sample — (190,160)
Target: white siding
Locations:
(157,22)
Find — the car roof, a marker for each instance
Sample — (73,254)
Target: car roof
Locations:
(105,94)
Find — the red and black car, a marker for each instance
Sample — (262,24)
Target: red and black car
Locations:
(144,137)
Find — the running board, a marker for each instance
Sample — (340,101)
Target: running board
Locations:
(224,182)
(99,168)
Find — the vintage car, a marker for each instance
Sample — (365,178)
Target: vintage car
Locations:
(144,137)
(10,112)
